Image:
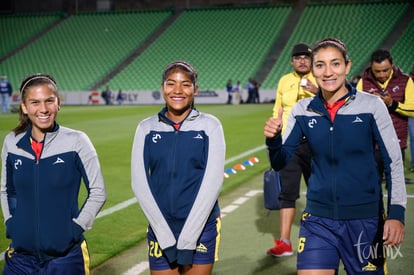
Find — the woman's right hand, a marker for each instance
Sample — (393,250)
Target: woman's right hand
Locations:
(274,125)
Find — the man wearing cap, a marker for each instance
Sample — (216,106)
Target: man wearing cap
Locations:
(292,87)
(5,94)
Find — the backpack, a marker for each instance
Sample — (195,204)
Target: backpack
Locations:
(271,189)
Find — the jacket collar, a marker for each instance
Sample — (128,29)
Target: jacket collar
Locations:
(193,114)
(317,103)
(24,142)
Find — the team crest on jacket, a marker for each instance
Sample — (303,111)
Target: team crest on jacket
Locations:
(312,122)
(17,163)
(155,138)
(395,89)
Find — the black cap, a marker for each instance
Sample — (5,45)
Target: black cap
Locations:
(301,49)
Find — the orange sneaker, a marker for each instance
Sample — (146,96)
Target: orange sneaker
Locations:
(280,249)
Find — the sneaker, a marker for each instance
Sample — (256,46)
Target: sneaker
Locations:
(280,249)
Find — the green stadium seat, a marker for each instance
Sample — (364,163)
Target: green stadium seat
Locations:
(356,24)
(16,30)
(82,44)
(402,50)
(212,40)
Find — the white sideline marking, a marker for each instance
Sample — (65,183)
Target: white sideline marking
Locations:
(117,207)
(229,208)
(247,153)
(137,269)
(235,204)
(240,200)
(253,193)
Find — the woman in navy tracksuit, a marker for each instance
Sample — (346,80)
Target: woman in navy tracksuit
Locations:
(343,217)
(177,173)
(43,164)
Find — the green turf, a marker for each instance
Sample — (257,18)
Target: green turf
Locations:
(111,129)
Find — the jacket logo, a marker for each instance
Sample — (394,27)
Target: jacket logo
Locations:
(202,248)
(312,122)
(59,160)
(369,267)
(198,136)
(155,138)
(357,119)
(17,162)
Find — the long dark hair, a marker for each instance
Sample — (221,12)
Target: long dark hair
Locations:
(32,80)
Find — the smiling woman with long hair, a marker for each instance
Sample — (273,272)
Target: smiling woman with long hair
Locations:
(43,165)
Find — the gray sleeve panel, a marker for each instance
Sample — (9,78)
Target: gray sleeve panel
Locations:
(94,181)
(396,181)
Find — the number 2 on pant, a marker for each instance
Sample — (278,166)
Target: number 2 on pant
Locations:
(154,250)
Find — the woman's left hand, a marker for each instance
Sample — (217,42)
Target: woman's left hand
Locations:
(393,232)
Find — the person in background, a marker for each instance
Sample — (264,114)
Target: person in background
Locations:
(107,95)
(387,81)
(6,92)
(177,173)
(43,165)
(120,97)
(256,92)
(292,87)
(344,213)
(250,90)
(237,98)
(229,90)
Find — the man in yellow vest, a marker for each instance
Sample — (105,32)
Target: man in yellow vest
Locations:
(292,87)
